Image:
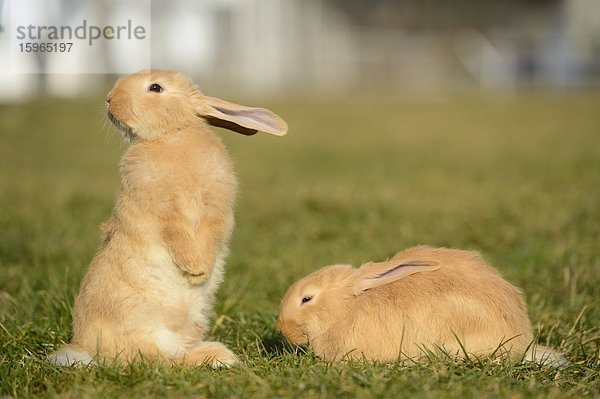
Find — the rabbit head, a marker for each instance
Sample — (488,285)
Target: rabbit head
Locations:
(314,304)
(312,301)
(152,103)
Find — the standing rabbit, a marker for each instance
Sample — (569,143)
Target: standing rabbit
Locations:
(423,299)
(148,292)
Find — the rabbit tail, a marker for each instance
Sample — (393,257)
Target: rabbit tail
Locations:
(71,355)
(545,356)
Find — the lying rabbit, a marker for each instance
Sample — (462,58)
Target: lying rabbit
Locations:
(423,299)
(149,290)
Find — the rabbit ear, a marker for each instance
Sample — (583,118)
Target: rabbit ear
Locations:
(241,119)
(373,275)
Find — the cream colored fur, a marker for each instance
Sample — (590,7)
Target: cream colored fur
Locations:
(148,293)
(423,299)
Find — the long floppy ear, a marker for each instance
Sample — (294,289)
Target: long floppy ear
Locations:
(373,275)
(241,119)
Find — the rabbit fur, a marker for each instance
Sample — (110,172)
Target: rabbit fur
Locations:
(423,299)
(149,290)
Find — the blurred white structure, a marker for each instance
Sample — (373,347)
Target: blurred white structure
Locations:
(258,46)
(276,47)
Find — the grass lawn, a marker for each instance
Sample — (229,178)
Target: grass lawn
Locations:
(353,181)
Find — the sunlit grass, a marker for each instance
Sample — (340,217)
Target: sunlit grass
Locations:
(353,181)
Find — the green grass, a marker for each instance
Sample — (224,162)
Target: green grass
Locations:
(354,181)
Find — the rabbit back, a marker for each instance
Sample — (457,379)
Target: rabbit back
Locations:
(465,300)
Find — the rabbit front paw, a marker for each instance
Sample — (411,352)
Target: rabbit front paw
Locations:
(196,267)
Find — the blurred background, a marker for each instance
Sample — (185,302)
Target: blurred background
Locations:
(275,48)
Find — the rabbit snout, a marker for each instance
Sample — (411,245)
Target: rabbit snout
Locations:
(292,330)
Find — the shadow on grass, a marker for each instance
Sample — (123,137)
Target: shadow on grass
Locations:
(277,345)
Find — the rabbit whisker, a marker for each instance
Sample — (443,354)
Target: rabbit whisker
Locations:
(125,129)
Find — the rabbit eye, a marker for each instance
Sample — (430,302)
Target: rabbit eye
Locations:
(306,299)
(155,87)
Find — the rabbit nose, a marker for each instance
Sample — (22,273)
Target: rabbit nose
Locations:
(108,99)
(282,325)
